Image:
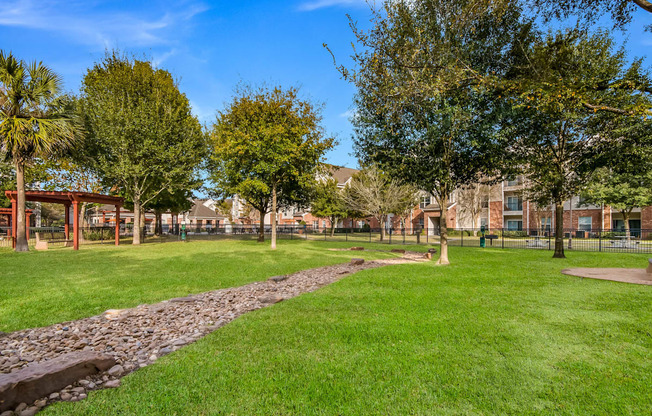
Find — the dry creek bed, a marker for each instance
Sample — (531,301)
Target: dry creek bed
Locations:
(137,337)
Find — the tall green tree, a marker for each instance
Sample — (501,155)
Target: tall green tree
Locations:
(626,182)
(35,121)
(328,202)
(425,75)
(567,89)
(267,147)
(142,135)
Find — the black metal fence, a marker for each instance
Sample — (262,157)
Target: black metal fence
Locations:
(613,240)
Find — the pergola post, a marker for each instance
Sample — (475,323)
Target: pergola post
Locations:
(75,224)
(117,225)
(67,223)
(27,215)
(14,222)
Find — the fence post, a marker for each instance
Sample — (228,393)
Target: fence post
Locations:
(370,234)
(549,234)
(427,232)
(403,235)
(502,238)
(291,233)
(390,235)
(462,239)
(600,239)
(346,234)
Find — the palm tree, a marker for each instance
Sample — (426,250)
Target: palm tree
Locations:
(34,122)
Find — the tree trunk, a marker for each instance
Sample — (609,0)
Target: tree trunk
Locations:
(443,231)
(626,223)
(559,231)
(273,218)
(381,220)
(261,229)
(333,226)
(137,223)
(21,235)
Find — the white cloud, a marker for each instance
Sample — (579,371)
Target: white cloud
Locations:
(74,20)
(320,4)
(348,114)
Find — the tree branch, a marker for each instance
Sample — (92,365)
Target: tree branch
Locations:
(606,108)
(644,4)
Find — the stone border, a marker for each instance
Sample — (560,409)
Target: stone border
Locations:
(137,337)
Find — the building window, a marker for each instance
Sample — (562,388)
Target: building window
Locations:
(546,223)
(483,222)
(513,182)
(514,225)
(584,224)
(514,203)
(323,223)
(425,201)
(315,224)
(485,202)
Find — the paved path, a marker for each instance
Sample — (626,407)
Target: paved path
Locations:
(635,276)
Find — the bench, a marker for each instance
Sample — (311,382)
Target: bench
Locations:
(42,244)
(491,238)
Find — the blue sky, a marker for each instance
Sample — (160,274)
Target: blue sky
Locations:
(210,46)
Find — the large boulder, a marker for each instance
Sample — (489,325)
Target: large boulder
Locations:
(40,379)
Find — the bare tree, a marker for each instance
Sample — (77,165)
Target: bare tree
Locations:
(473,200)
(374,194)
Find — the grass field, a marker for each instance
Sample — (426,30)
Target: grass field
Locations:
(43,288)
(497,332)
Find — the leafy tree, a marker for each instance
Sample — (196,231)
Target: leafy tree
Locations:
(180,200)
(142,136)
(569,88)
(267,146)
(328,202)
(425,76)
(374,194)
(35,121)
(626,182)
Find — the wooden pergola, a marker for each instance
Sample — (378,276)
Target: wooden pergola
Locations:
(66,199)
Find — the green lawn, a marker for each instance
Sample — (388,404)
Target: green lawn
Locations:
(498,332)
(43,288)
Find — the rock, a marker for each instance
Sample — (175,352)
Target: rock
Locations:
(116,370)
(78,390)
(54,396)
(41,379)
(277,279)
(165,351)
(184,299)
(20,407)
(112,384)
(357,248)
(30,411)
(66,396)
(357,262)
(153,357)
(40,403)
(84,382)
(83,396)
(7,413)
(179,342)
(113,314)
(398,250)
(270,299)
